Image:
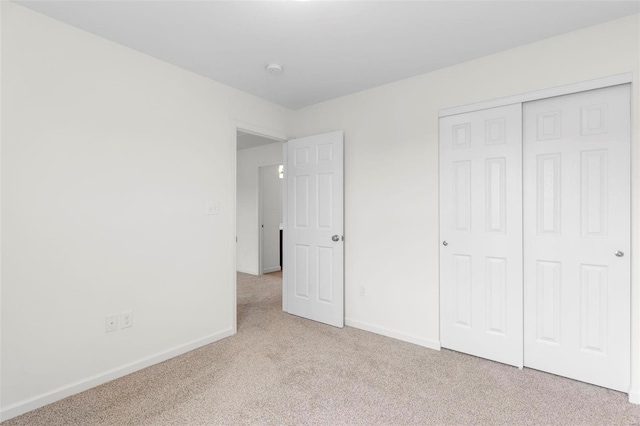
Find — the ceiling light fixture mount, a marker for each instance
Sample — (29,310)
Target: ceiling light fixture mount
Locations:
(274,69)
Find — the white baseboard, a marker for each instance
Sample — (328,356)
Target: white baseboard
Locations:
(247,271)
(634,396)
(62,392)
(269,270)
(431,344)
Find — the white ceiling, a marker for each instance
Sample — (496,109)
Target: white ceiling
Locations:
(328,49)
(249,140)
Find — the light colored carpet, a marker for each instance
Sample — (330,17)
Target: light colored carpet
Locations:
(280,369)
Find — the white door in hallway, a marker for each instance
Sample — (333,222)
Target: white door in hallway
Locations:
(270,218)
(314,224)
(577,236)
(481,233)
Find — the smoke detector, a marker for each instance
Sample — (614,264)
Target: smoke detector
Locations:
(274,69)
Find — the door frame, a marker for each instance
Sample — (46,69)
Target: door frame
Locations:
(285,225)
(599,83)
(261,215)
(233,154)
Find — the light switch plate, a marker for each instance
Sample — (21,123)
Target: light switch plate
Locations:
(213,208)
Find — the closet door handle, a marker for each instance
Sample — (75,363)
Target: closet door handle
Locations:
(444,243)
(619,253)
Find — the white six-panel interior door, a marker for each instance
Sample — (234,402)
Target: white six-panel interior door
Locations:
(577,236)
(481,230)
(314,224)
(534,262)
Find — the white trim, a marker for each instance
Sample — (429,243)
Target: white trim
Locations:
(285,224)
(270,270)
(247,271)
(62,392)
(260,213)
(233,153)
(634,396)
(431,344)
(257,131)
(540,94)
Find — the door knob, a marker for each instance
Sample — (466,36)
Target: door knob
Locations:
(619,253)
(335,238)
(444,243)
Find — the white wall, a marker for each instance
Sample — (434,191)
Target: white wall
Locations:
(108,159)
(249,162)
(391,168)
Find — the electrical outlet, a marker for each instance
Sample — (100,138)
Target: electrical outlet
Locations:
(126,319)
(362,292)
(111,323)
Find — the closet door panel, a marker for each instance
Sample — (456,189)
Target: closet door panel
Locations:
(481,225)
(576,219)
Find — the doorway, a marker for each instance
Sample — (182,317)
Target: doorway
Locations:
(270,218)
(256,148)
(315,185)
(258,198)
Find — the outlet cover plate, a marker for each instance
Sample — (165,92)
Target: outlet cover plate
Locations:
(111,323)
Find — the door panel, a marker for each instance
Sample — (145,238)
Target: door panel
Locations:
(481,222)
(314,176)
(576,216)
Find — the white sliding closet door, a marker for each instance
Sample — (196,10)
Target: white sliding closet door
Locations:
(577,236)
(481,233)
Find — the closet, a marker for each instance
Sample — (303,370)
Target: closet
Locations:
(535,234)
